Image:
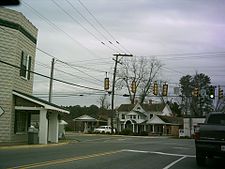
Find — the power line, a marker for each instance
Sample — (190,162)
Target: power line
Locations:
(58,80)
(59,29)
(58,59)
(101,25)
(67,64)
(92,25)
(70,74)
(82,25)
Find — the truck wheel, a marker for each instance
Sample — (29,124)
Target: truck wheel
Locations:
(200,159)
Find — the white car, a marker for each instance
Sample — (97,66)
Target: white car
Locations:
(104,129)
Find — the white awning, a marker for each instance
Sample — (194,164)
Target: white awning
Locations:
(43,104)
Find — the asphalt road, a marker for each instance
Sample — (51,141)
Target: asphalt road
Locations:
(107,152)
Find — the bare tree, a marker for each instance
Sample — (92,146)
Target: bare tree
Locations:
(142,71)
(220,105)
(103,102)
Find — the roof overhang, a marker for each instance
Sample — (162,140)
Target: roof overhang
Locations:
(43,104)
(85,118)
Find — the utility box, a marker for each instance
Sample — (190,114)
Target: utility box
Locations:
(33,135)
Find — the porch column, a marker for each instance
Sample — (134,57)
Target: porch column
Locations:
(145,127)
(53,129)
(85,127)
(43,127)
(153,128)
(133,128)
(137,128)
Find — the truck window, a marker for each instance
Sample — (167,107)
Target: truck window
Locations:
(217,119)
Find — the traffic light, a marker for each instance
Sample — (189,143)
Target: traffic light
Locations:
(195,92)
(165,89)
(106,83)
(220,93)
(155,88)
(211,92)
(133,87)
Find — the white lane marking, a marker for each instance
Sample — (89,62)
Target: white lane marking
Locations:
(181,148)
(160,153)
(173,163)
(97,139)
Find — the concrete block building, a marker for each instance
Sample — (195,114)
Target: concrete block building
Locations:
(18,39)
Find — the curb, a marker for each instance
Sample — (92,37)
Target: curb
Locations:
(32,146)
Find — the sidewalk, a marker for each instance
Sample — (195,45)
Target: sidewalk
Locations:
(4,146)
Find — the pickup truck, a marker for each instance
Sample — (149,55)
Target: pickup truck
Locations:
(210,137)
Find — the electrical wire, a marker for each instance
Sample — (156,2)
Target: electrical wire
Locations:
(67,13)
(101,25)
(70,74)
(58,80)
(58,59)
(92,25)
(59,29)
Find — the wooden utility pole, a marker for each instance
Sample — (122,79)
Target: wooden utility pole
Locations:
(113,84)
(51,80)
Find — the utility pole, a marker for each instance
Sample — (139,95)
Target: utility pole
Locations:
(51,80)
(113,84)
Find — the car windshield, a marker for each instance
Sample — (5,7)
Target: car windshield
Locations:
(217,119)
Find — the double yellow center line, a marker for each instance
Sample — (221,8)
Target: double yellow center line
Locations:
(66,160)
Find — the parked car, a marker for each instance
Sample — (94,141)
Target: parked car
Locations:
(104,129)
(210,137)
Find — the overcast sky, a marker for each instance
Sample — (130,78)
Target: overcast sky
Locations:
(187,36)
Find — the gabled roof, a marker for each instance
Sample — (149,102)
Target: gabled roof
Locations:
(156,120)
(126,107)
(146,107)
(171,120)
(159,119)
(42,103)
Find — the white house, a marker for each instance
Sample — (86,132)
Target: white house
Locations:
(151,118)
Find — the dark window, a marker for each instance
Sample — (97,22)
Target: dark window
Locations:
(123,116)
(21,122)
(151,115)
(217,119)
(25,65)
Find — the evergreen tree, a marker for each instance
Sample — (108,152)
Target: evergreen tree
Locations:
(194,93)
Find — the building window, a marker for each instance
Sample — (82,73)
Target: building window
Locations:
(151,115)
(25,65)
(21,122)
(123,116)
(134,116)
